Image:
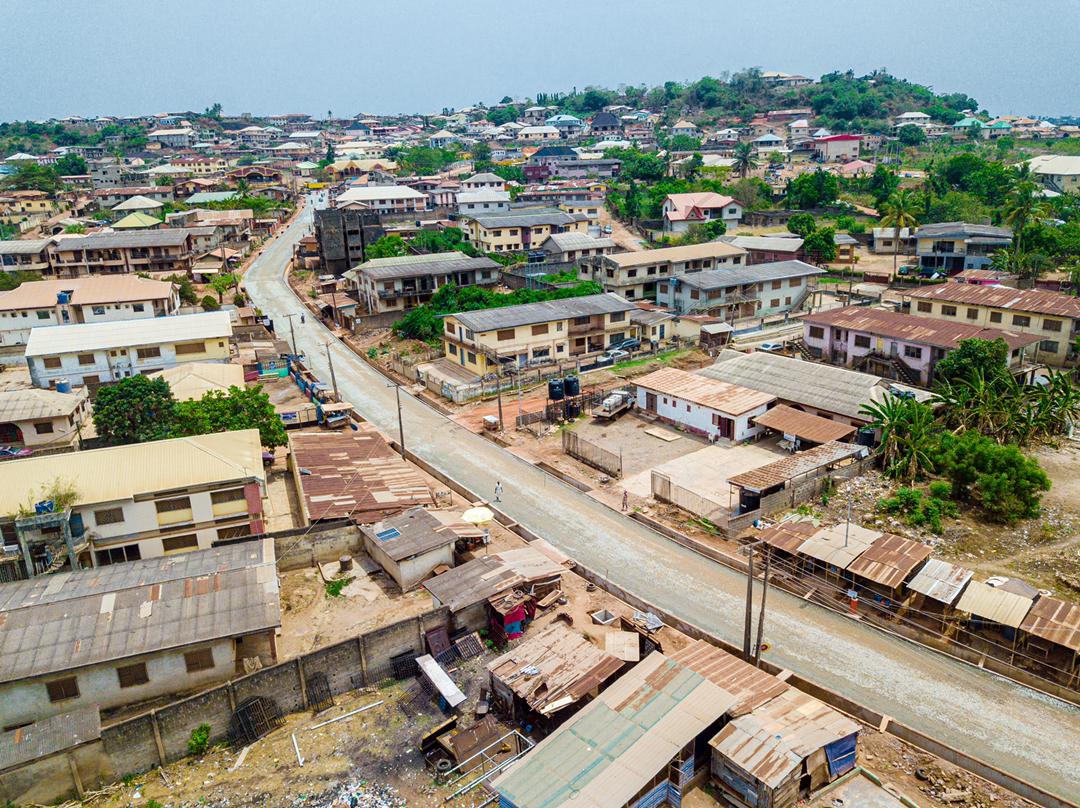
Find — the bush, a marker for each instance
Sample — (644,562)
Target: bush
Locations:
(802,224)
(1008,485)
(333,588)
(372,353)
(239,299)
(210,303)
(199,741)
(921,509)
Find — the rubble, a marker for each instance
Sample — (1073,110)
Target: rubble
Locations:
(356,793)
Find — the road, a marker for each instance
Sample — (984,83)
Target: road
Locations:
(1009,726)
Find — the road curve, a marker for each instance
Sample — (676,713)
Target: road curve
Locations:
(1029,735)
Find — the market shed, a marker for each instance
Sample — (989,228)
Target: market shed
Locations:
(410,545)
(791,476)
(1053,628)
(887,563)
(992,612)
(831,550)
(801,428)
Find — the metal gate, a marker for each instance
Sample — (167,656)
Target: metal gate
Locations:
(318,692)
(254,717)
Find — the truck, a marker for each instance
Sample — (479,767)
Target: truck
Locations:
(614,403)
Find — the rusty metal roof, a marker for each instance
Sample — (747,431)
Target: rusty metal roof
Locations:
(996,605)
(779,472)
(774,739)
(1055,620)
(49,736)
(940,581)
(355,474)
(805,425)
(751,686)
(409,534)
(913,329)
(889,560)
(722,396)
(788,535)
(487,576)
(840,544)
(1001,297)
(554,668)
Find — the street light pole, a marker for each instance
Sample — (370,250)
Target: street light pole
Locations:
(333,378)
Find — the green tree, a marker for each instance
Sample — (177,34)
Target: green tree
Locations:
(1024,203)
(386,247)
(899,214)
(882,184)
(745,159)
(75,228)
(70,164)
(185,288)
(134,410)
(814,189)
(802,224)
(481,153)
(239,408)
(30,176)
(911,135)
(223,283)
(16,278)
(990,357)
(208,303)
(821,245)
(1006,484)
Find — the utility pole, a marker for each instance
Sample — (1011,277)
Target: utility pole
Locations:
(292,332)
(761,615)
(749,606)
(498,393)
(400,423)
(333,378)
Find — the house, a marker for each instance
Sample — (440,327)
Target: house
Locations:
(442,139)
(635,275)
(817,448)
(1057,172)
(701,405)
(536,115)
(538,133)
(1054,317)
(342,235)
(590,168)
(137,221)
(568,247)
(483,201)
(838,148)
(128,634)
(140,500)
(589,208)
(536,333)
(900,346)
(656,327)
(985,277)
(682,210)
(410,545)
(884,241)
(777,78)
(26,255)
(401,283)
(253,136)
(910,118)
(26,208)
(969,126)
(949,247)
(43,419)
(567,125)
(831,392)
(685,128)
(384,199)
(768,249)
(172,138)
(150,251)
(140,204)
(759,290)
(193,380)
(102,352)
(35,304)
(484,181)
(521,229)
(605,124)
(107,198)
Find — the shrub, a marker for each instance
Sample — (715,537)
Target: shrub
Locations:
(210,303)
(333,588)
(919,508)
(372,353)
(199,741)
(1008,485)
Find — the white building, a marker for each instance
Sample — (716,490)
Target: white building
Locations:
(701,405)
(484,181)
(384,198)
(475,203)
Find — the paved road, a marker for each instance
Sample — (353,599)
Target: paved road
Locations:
(1009,726)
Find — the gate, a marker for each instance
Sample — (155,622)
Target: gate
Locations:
(254,717)
(318,692)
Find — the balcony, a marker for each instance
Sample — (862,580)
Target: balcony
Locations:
(177,517)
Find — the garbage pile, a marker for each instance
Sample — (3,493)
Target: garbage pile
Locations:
(357,793)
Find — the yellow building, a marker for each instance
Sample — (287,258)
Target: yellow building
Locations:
(522,230)
(1054,317)
(536,333)
(20,206)
(634,275)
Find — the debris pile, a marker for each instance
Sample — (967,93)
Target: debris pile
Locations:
(357,793)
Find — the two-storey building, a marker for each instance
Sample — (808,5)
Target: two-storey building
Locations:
(635,275)
(148,251)
(759,290)
(949,247)
(523,229)
(26,255)
(384,198)
(400,283)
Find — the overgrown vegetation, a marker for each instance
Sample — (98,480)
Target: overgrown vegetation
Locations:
(333,588)
(922,508)
(199,741)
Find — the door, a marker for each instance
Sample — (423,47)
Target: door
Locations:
(650,402)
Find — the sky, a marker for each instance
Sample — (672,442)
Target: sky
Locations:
(121,57)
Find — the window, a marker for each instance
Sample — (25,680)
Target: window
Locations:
(232,495)
(1051,325)
(817,332)
(184,348)
(118,555)
(175,504)
(132,675)
(559,326)
(538,330)
(787,301)
(774,303)
(180,544)
(923,306)
(973,314)
(948,311)
(43,315)
(795,282)
(1021,320)
(86,359)
(1048,345)
(43,427)
(449,330)
(148,353)
(109,516)
(234,532)
(694,294)
(63,689)
(618,316)
(995,316)
(862,341)
(777,284)
(200,660)
(98,310)
(505,334)
(453,349)
(472,358)
(912,352)
(662,288)
(138,307)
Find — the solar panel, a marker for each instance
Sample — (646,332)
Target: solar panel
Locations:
(389,533)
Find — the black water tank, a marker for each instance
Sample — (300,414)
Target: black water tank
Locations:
(555,389)
(573,410)
(572,385)
(864,437)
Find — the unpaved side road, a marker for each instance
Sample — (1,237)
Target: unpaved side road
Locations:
(1009,726)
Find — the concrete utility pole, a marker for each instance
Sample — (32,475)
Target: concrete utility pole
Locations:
(333,378)
(747,627)
(761,615)
(498,393)
(292,332)
(400,422)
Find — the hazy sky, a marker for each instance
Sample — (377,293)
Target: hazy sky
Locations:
(118,58)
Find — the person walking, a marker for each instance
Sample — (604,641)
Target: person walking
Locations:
(625,500)
(498,491)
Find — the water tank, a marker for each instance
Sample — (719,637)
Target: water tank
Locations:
(864,437)
(63,386)
(573,410)
(572,386)
(555,389)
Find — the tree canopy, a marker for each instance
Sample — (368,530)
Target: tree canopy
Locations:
(134,410)
(239,408)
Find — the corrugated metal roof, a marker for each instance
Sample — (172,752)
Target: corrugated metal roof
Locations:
(788,535)
(765,243)
(774,739)
(417,532)
(121,472)
(111,241)
(840,544)
(787,468)
(754,273)
(721,396)
(790,421)
(940,581)
(751,686)
(578,241)
(193,380)
(48,736)
(484,577)
(554,668)
(602,756)
(1001,297)
(24,246)
(889,560)
(963,230)
(25,405)
(544,312)
(1055,620)
(664,255)
(416,265)
(122,618)
(527,217)
(918,330)
(62,339)
(996,605)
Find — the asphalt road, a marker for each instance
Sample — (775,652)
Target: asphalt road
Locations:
(1012,727)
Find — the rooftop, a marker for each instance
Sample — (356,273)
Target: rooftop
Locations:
(911,328)
(578,241)
(1055,620)
(691,252)
(787,468)
(138,203)
(752,273)
(765,243)
(410,533)
(410,266)
(889,560)
(963,230)
(727,398)
(542,312)
(193,380)
(994,604)
(24,246)
(527,217)
(373,193)
(1001,297)
(487,576)
(805,425)
(61,339)
(940,581)
(49,735)
(111,241)
(751,686)
(683,205)
(33,404)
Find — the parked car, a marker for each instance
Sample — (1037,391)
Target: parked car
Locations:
(772,347)
(616,355)
(607,230)
(631,344)
(11,451)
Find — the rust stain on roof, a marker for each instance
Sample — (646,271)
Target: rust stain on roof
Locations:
(1055,620)
(730,399)
(889,560)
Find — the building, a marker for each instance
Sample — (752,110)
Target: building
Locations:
(899,346)
(484,181)
(831,392)
(442,139)
(342,235)
(148,251)
(838,148)
(884,241)
(141,500)
(107,198)
(193,380)
(30,255)
(569,247)
(536,333)
(635,275)
(137,204)
(42,419)
(172,138)
(949,247)
(384,198)
(401,283)
(760,290)
(605,124)
(26,208)
(538,133)
(35,304)
(482,202)
(682,210)
(569,126)
(714,409)
(521,229)
(685,128)
(1057,172)
(136,632)
(1052,316)
(98,353)
(410,546)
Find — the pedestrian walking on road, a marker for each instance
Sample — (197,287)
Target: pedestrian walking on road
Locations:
(498,491)
(625,500)
(301,319)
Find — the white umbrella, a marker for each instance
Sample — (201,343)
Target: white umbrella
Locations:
(477,516)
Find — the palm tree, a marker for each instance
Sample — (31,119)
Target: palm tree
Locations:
(745,161)
(907,436)
(1024,204)
(899,212)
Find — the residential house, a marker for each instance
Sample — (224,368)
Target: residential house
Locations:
(759,290)
(685,128)
(253,136)
(538,133)
(949,247)
(838,148)
(571,169)
(342,235)
(707,407)
(520,229)
(149,251)
(43,419)
(442,139)
(799,130)
(969,127)
(172,138)
(26,208)
(82,300)
(401,283)
(899,346)
(126,635)
(483,182)
(102,352)
(384,199)
(777,78)
(605,124)
(635,275)
(768,249)
(26,255)
(137,221)
(536,115)
(589,208)
(536,333)
(202,165)
(884,241)
(1054,317)
(1057,172)
(483,201)
(682,210)
(108,198)
(138,204)
(568,125)
(410,546)
(569,247)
